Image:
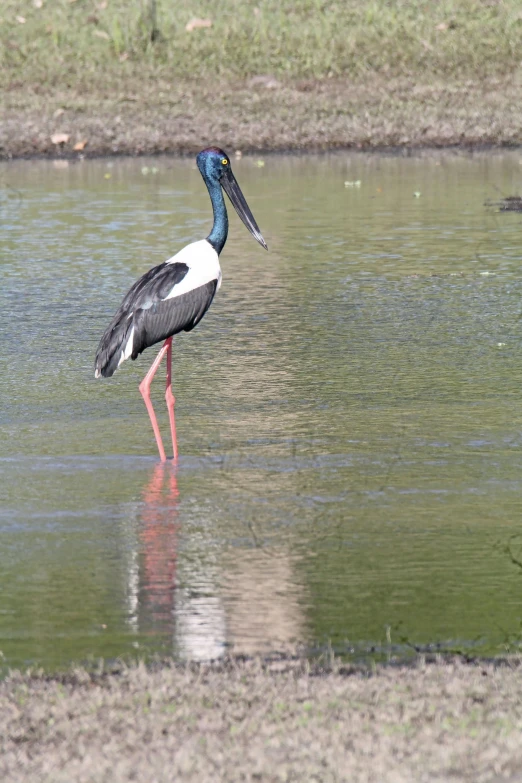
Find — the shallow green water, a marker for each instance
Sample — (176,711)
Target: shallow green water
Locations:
(349,414)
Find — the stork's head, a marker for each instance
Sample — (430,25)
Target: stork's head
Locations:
(212,162)
(214,165)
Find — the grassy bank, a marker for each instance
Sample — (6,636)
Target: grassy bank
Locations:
(129,77)
(73,41)
(248,721)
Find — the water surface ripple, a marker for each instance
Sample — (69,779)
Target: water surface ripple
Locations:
(349,414)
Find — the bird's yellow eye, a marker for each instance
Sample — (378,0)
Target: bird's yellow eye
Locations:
(224,161)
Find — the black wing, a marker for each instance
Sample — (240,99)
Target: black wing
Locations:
(153,317)
(163,319)
(154,285)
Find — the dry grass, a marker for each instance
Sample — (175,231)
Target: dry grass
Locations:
(249,721)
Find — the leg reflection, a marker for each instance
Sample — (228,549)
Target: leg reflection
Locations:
(159,532)
(178,602)
(174,592)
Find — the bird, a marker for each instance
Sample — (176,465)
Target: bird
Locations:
(175,295)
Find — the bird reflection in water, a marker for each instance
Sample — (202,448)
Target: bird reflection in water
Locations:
(174,603)
(158,533)
(195,600)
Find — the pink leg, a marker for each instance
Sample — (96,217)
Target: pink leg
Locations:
(169,397)
(145,393)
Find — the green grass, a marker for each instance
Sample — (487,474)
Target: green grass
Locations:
(75,43)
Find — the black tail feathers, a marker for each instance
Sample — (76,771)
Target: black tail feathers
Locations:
(112,344)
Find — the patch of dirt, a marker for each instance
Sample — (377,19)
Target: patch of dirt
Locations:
(248,720)
(137,118)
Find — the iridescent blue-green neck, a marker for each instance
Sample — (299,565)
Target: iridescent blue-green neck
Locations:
(218,235)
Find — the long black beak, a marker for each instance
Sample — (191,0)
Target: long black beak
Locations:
(233,191)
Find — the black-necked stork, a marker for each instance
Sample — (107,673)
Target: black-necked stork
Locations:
(175,295)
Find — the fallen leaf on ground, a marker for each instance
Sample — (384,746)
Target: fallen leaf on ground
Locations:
(58,113)
(442,26)
(60,138)
(102,34)
(21,19)
(264,80)
(38,3)
(195,24)
(80,145)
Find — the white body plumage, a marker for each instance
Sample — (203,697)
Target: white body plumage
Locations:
(203,263)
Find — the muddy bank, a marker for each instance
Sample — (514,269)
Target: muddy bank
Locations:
(252,721)
(261,114)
